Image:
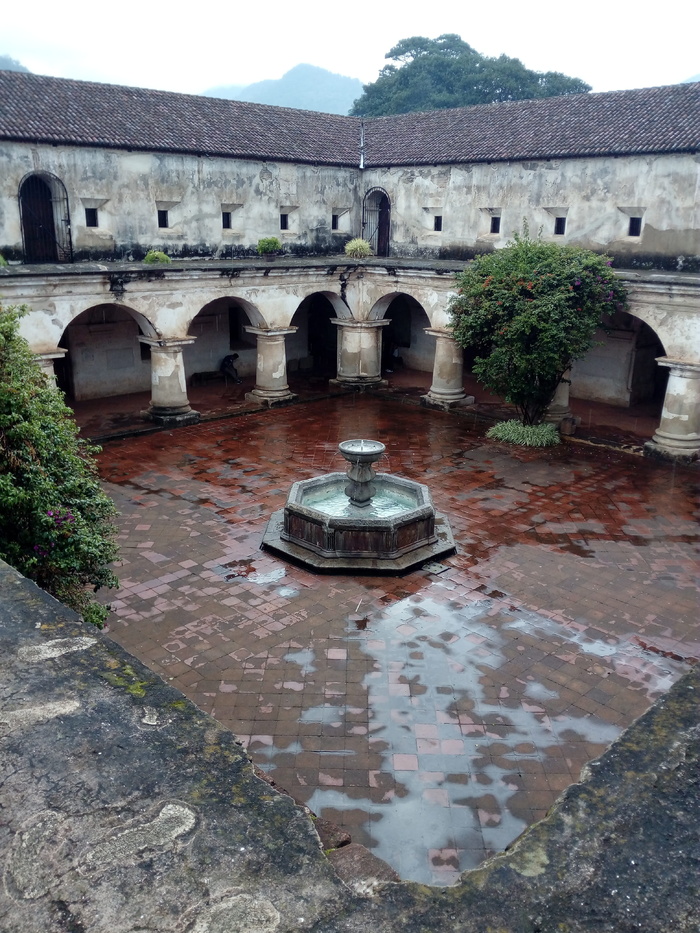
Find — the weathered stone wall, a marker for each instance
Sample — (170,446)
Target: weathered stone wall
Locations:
(130,187)
(596,196)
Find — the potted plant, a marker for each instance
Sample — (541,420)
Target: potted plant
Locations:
(269,247)
(358,248)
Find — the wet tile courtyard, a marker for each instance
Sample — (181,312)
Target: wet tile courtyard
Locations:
(433,715)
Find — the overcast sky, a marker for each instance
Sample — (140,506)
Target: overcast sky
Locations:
(611,44)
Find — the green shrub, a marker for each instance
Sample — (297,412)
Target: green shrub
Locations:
(269,244)
(358,248)
(56,523)
(528,311)
(156,255)
(3,261)
(524,435)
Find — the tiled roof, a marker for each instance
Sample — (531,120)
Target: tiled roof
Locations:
(55,110)
(83,113)
(659,119)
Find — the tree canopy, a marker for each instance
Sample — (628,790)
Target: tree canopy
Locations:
(432,74)
(56,523)
(529,310)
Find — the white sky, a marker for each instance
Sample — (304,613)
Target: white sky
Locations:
(189,47)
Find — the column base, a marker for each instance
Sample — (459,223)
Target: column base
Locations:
(357,385)
(270,400)
(446,404)
(171,417)
(658,450)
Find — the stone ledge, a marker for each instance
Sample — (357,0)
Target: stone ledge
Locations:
(125,808)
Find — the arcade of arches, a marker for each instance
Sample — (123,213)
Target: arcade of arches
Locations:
(102,336)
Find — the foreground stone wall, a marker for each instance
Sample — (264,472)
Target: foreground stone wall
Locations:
(127,809)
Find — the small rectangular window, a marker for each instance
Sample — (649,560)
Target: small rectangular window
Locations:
(334,221)
(635,228)
(559,226)
(226,220)
(495,225)
(90,216)
(145,352)
(437,223)
(284,221)
(163,219)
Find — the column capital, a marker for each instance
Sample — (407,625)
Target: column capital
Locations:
(684,368)
(360,325)
(270,331)
(57,354)
(167,343)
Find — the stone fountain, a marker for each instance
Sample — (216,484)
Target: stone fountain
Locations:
(359,520)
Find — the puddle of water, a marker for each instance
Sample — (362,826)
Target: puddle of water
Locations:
(264,578)
(453,751)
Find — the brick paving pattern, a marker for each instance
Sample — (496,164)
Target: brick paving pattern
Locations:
(433,715)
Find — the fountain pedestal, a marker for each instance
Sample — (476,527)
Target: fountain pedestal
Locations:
(374,523)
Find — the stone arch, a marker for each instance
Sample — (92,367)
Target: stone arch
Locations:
(45,218)
(104,356)
(621,368)
(314,346)
(404,340)
(220,329)
(376,220)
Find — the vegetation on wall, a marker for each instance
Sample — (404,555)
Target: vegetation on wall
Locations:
(358,248)
(155,256)
(529,310)
(431,74)
(269,244)
(56,523)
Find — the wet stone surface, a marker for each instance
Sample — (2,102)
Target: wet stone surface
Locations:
(436,715)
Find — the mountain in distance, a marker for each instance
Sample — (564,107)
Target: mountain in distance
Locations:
(7,63)
(304,87)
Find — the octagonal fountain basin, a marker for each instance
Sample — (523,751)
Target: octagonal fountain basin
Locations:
(375,522)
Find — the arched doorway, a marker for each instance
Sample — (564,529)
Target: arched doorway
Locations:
(405,345)
(314,348)
(220,331)
(621,368)
(105,357)
(45,219)
(376,221)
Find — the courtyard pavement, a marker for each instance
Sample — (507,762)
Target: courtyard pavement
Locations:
(434,715)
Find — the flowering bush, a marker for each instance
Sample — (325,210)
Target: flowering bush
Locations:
(529,310)
(56,523)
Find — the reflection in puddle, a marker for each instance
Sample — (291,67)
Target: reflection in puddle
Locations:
(454,743)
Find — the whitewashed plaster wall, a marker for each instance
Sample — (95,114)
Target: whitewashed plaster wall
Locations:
(131,186)
(596,195)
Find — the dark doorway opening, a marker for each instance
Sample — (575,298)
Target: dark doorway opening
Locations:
(45,219)
(376,221)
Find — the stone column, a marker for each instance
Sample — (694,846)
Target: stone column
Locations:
(45,360)
(271,386)
(447,390)
(678,434)
(169,403)
(359,353)
(559,409)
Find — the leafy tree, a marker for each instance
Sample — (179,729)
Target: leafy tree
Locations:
(56,523)
(432,74)
(529,310)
